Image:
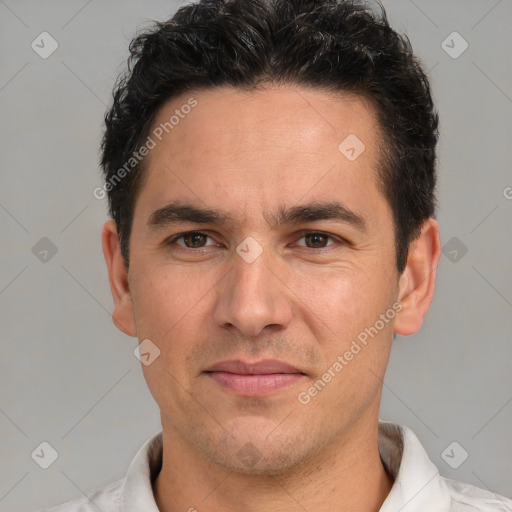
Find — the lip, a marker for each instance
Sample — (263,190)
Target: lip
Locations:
(254,379)
(265,367)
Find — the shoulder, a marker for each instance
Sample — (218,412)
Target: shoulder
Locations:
(106,499)
(468,498)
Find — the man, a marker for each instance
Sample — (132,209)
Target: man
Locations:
(270,169)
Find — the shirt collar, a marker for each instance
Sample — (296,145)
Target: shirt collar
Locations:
(417,484)
(137,490)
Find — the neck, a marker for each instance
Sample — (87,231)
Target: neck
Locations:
(346,475)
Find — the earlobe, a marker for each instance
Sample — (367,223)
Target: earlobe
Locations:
(123,314)
(417,282)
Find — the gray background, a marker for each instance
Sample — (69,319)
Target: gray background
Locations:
(68,377)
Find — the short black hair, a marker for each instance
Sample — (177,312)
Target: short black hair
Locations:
(335,45)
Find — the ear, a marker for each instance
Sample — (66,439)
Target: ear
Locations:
(122,315)
(417,282)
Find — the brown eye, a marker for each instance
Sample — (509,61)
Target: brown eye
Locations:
(316,240)
(192,240)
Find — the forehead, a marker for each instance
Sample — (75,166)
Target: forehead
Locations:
(240,148)
(266,117)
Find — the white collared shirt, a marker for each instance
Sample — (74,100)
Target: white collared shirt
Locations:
(418,486)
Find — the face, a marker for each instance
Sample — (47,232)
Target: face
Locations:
(262,267)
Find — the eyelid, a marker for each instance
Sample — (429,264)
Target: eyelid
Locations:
(302,234)
(306,232)
(174,238)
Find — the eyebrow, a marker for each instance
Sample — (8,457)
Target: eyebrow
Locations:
(176,212)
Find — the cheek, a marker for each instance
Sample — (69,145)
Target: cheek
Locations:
(169,306)
(169,301)
(342,301)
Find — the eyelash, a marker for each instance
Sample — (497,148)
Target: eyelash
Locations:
(173,240)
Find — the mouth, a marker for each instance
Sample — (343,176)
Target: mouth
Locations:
(254,379)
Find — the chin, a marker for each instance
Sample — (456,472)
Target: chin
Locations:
(255,452)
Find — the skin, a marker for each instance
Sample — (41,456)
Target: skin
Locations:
(303,301)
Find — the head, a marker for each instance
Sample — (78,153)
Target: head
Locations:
(297,141)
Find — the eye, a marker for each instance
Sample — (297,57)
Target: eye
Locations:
(191,240)
(199,240)
(316,240)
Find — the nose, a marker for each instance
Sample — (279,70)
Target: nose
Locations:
(253,297)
